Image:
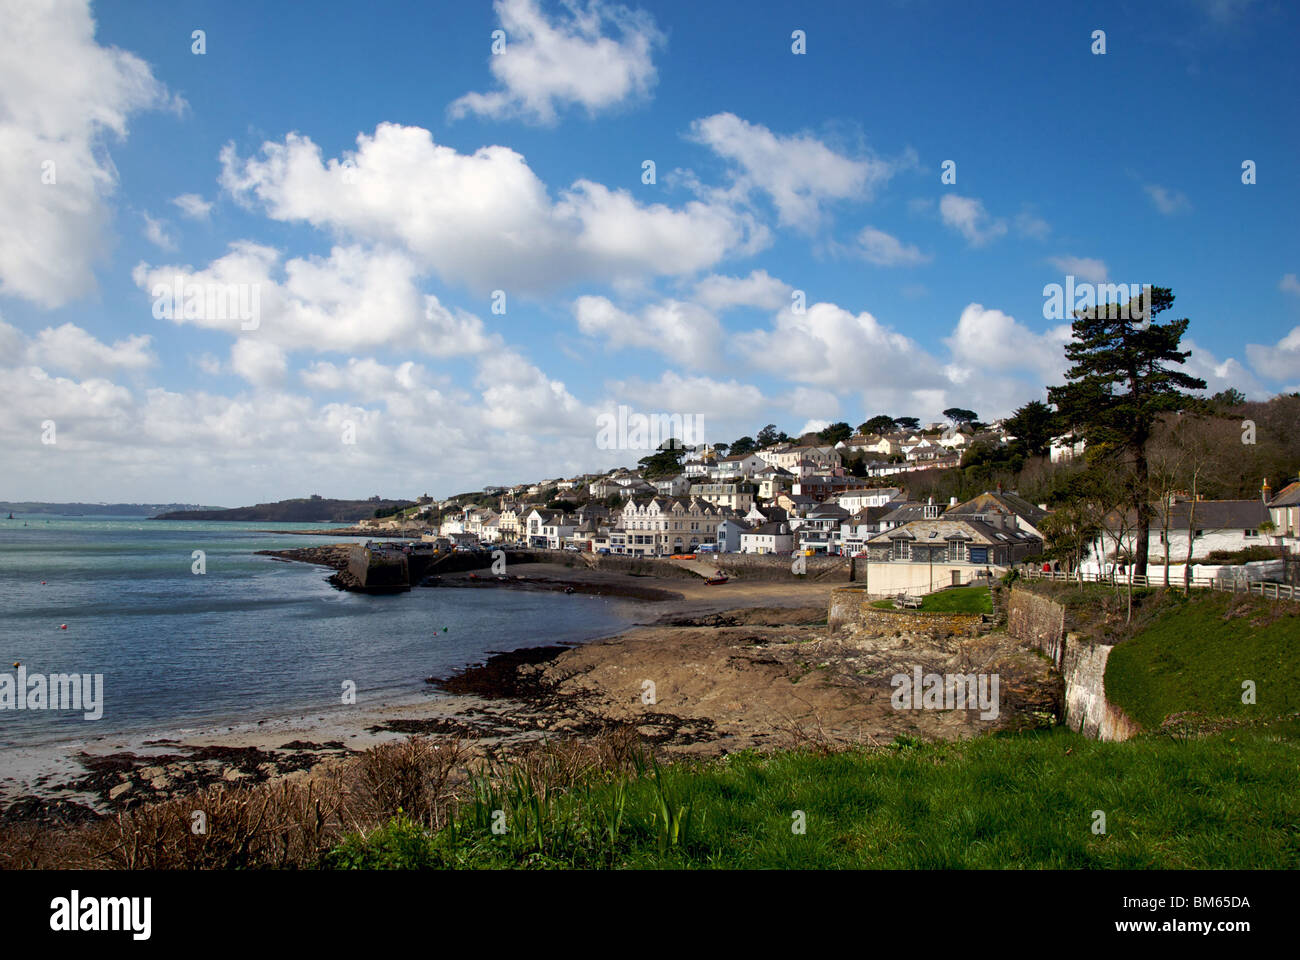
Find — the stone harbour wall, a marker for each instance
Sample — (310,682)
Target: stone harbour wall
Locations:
(1041,623)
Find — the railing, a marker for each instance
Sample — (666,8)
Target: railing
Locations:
(1278,591)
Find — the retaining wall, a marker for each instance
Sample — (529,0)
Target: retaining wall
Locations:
(1041,623)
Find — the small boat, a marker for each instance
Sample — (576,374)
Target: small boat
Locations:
(714,581)
(11,515)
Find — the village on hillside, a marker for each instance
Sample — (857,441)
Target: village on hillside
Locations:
(857,498)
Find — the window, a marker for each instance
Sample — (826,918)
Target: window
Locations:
(900,549)
(1252,533)
(957,550)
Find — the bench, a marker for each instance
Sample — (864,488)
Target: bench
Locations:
(903,600)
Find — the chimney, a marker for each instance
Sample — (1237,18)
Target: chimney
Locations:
(1266,491)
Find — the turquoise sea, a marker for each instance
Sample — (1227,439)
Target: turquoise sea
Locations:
(250,638)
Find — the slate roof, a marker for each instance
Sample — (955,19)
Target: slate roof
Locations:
(1004,503)
(1288,496)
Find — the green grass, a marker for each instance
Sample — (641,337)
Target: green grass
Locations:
(952,600)
(1225,801)
(1196,653)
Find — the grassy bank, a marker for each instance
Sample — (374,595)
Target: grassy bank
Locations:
(952,600)
(1025,801)
(1196,654)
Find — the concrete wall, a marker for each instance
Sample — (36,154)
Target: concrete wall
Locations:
(1041,623)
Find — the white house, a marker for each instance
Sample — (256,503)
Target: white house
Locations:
(768,538)
(855,500)
(729,534)
(1284,510)
(1063,450)
(678,485)
(1227,525)
(743,465)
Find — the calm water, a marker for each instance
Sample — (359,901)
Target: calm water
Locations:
(249,639)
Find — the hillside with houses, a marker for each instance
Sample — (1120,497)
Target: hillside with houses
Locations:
(863,497)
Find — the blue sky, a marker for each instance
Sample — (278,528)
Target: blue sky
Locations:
(378,365)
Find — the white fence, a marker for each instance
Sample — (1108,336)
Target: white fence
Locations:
(1278,591)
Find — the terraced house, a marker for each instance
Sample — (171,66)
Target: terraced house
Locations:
(663,525)
(736,496)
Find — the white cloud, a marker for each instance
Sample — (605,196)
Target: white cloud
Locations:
(882,249)
(353,298)
(1279,361)
(759,289)
(829,346)
(1290,284)
(193,206)
(968,217)
(810,402)
(799,172)
(484,220)
(156,232)
(72,350)
(719,402)
(682,331)
(1168,202)
(1228,372)
(260,362)
(548,63)
(62,98)
(1031,225)
(1082,268)
(992,342)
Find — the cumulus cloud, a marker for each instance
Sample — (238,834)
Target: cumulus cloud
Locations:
(987,340)
(1289,284)
(352,299)
(882,249)
(799,173)
(967,216)
(829,346)
(63,98)
(682,331)
(596,57)
(73,350)
(260,362)
(1083,268)
(483,220)
(1279,361)
(759,289)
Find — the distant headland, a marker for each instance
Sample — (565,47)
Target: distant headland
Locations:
(313,509)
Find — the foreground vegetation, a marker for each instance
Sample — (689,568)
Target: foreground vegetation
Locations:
(1024,801)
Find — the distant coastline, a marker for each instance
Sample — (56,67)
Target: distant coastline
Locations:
(145,510)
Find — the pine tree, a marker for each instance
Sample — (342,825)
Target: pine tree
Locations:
(1121,381)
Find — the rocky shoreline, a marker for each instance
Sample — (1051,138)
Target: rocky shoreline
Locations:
(745,666)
